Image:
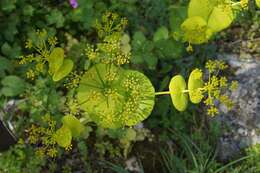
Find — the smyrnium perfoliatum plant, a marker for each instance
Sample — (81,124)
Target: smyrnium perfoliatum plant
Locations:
(110,94)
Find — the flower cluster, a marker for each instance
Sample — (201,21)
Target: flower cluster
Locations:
(213,90)
(43,46)
(217,86)
(42,136)
(110,50)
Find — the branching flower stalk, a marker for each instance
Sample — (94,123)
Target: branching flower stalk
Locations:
(212,90)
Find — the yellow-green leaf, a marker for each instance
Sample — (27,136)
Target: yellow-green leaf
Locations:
(257,3)
(220,18)
(73,124)
(63,136)
(64,70)
(56,60)
(201,8)
(194,84)
(195,30)
(178,96)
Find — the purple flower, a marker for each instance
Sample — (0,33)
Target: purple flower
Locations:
(74,3)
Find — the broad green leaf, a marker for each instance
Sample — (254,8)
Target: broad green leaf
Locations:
(63,136)
(6,49)
(5,64)
(178,96)
(7,5)
(12,86)
(138,39)
(162,33)
(220,18)
(170,49)
(195,82)
(201,8)
(55,60)
(55,17)
(73,124)
(64,70)
(196,30)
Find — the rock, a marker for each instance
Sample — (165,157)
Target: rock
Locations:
(241,126)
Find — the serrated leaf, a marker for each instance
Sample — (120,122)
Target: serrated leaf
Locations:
(13,86)
(179,98)
(55,60)
(73,124)
(63,136)
(64,70)
(220,18)
(162,33)
(55,17)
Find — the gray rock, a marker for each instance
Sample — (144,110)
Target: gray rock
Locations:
(241,126)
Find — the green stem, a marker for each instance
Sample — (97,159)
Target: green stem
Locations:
(235,4)
(185,91)
(162,93)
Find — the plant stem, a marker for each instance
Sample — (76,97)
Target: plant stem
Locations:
(163,93)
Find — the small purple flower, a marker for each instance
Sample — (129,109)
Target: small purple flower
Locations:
(74,3)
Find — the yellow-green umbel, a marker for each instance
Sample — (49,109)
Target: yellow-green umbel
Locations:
(178,92)
(195,85)
(114,97)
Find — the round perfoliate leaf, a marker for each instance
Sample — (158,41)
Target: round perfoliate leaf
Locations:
(64,70)
(178,96)
(139,97)
(196,30)
(55,59)
(201,8)
(220,18)
(63,136)
(73,124)
(195,83)
(114,97)
(99,97)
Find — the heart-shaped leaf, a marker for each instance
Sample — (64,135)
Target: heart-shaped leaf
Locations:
(63,136)
(55,59)
(64,70)
(73,124)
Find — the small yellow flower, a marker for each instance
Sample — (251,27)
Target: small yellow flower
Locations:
(30,74)
(212,111)
(234,85)
(28,44)
(223,81)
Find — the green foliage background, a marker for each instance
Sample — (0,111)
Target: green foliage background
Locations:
(156,51)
